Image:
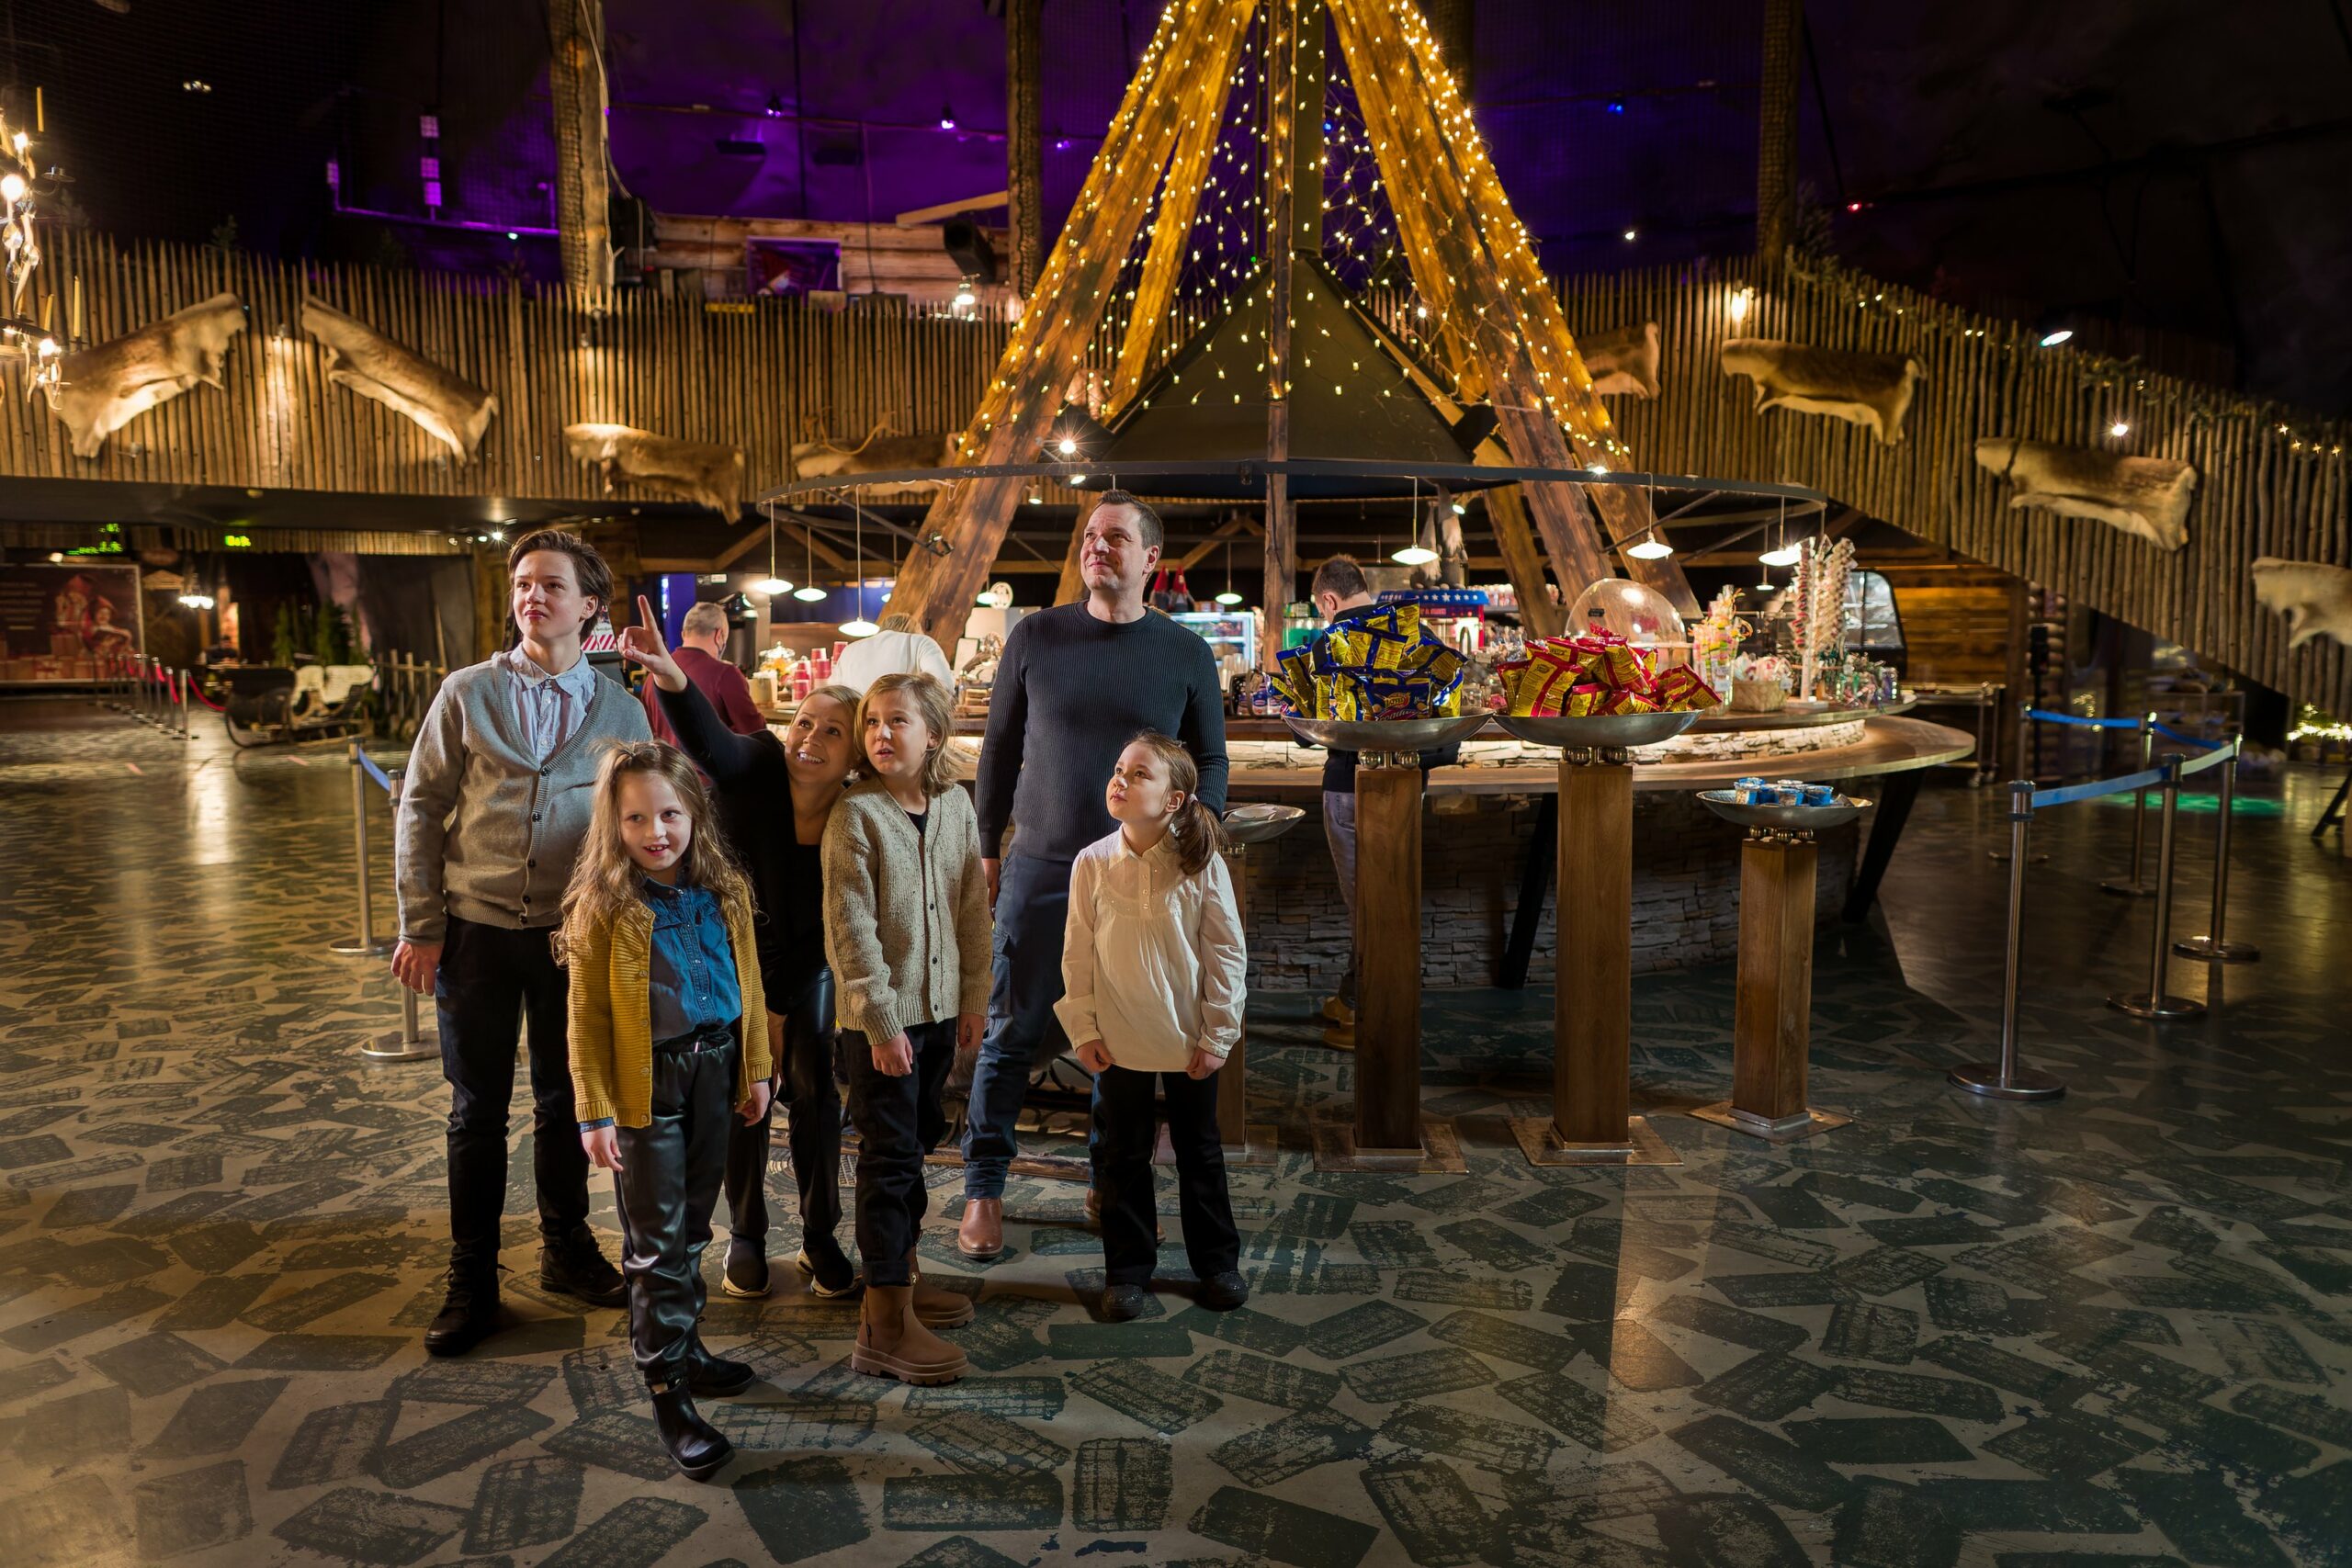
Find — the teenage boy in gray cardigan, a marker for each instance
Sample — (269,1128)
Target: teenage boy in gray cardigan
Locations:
(491,817)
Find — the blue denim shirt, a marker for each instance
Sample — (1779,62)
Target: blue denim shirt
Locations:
(690,985)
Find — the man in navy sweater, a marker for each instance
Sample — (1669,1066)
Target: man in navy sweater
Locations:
(1075,684)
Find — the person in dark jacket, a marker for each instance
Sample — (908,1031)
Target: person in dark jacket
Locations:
(751,776)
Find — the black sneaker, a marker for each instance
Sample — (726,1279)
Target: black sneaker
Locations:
(830,1273)
(714,1376)
(747,1270)
(1123,1304)
(469,1315)
(577,1268)
(699,1448)
(1223,1292)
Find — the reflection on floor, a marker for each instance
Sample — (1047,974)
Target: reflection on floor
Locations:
(2110,1328)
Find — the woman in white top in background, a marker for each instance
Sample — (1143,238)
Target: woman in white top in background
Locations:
(1153,975)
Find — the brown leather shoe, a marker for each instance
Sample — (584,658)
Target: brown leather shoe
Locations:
(892,1344)
(935,1308)
(982,1234)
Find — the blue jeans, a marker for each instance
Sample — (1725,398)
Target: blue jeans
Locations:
(1032,908)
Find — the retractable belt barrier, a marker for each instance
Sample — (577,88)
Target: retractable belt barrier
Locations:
(2008,1078)
(410,1043)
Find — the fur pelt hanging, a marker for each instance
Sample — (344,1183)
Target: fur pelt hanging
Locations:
(444,405)
(2315,598)
(880,453)
(1873,391)
(100,389)
(704,474)
(2148,497)
(1621,362)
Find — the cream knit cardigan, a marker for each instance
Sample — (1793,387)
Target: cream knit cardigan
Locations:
(906,923)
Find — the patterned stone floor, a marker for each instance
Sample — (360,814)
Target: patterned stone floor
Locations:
(2111,1330)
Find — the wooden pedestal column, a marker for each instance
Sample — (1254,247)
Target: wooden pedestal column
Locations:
(1388,1132)
(1772,1023)
(1592,1018)
(1244,1145)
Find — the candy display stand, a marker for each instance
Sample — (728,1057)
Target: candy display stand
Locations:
(1246,826)
(1592,1020)
(1388,1132)
(1772,1019)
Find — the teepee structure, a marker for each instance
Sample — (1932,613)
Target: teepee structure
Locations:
(1492,335)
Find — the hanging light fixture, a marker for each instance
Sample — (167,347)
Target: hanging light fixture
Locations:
(1785,553)
(809,592)
(1414,552)
(1650,545)
(860,626)
(772,585)
(1228,598)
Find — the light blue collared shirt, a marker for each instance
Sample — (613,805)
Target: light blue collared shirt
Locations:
(553,707)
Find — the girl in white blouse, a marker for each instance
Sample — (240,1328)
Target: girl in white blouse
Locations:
(1153,976)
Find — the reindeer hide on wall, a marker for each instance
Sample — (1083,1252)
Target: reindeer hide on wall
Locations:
(1621,363)
(2148,497)
(876,455)
(2316,599)
(1873,391)
(691,470)
(100,389)
(445,406)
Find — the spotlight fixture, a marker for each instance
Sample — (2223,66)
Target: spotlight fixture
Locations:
(964,298)
(1735,308)
(1066,446)
(775,105)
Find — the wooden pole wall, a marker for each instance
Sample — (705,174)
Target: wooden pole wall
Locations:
(750,376)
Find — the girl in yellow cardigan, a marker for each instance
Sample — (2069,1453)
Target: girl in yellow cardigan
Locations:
(657,934)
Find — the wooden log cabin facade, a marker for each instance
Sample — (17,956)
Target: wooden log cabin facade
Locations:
(2272,481)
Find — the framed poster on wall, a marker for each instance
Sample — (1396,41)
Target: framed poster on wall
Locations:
(57,620)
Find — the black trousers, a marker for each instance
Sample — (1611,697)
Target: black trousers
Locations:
(668,1182)
(813,1101)
(1126,1129)
(490,979)
(898,1120)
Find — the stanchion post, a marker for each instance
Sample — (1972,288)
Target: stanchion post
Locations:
(413,1042)
(367,945)
(2214,946)
(180,680)
(2025,771)
(2008,1078)
(2156,1003)
(2131,886)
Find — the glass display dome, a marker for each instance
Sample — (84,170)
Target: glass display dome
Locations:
(1643,617)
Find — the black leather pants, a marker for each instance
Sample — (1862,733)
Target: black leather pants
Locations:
(812,1099)
(669,1180)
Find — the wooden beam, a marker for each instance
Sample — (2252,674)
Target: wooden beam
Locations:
(1072,586)
(1284,21)
(576,88)
(1238,523)
(740,549)
(1522,562)
(950,209)
(1024,139)
(1186,64)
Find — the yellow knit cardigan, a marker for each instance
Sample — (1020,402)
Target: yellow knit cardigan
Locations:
(612,1023)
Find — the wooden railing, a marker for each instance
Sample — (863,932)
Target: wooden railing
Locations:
(2272,481)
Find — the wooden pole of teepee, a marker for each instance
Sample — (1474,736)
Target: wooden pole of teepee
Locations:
(1183,74)
(1279,193)
(1453,270)
(1442,136)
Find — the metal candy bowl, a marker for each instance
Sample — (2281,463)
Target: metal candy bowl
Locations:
(1385,738)
(1727,804)
(1260,823)
(1609,734)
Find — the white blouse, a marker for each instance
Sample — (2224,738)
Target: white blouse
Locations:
(1152,960)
